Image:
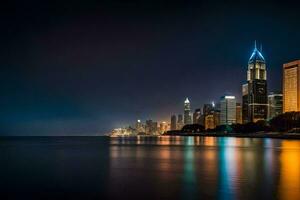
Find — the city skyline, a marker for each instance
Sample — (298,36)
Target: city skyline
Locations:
(258,104)
(73,69)
(151,99)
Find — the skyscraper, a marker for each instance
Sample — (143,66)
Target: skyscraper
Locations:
(197,116)
(212,120)
(151,127)
(291,86)
(239,113)
(187,112)
(255,100)
(275,105)
(163,127)
(208,115)
(207,108)
(209,121)
(228,110)
(173,123)
(245,114)
(216,118)
(139,126)
(179,122)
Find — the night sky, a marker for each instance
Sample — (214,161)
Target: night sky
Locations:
(83,68)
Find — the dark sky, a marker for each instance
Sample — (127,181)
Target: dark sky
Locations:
(81,68)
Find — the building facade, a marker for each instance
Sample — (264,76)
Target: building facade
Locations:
(245,103)
(151,127)
(209,122)
(255,99)
(180,122)
(187,112)
(207,110)
(139,127)
(239,113)
(275,105)
(291,86)
(197,116)
(173,123)
(163,127)
(228,110)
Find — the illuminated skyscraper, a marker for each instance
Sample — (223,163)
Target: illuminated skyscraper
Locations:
(163,127)
(239,113)
(275,105)
(228,110)
(173,123)
(197,116)
(212,120)
(209,121)
(139,126)
(291,86)
(209,116)
(255,91)
(187,112)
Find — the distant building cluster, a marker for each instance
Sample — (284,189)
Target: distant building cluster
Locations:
(257,104)
(226,112)
(150,128)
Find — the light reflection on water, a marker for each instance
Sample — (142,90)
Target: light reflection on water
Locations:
(149,168)
(289,185)
(219,168)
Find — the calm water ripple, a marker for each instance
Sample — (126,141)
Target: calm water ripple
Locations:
(149,168)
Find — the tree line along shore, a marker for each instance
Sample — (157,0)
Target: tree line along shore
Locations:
(285,126)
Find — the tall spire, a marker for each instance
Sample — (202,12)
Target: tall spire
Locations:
(256,54)
(260,47)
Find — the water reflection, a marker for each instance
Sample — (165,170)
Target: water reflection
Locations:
(189,176)
(289,185)
(227,168)
(218,168)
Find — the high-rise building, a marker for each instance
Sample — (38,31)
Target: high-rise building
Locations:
(187,112)
(228,110)
(202,120)
(212,120)
(275,105)
(255,99)
(163,127)
(209,121)
(151,127)
(148,127)
(216,118)
(291,86)
(207,108)
(245,118)
(239,113)
(197,116)
(139,126)
(180,122)
(173,123)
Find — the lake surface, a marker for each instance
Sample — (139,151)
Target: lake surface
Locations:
(149,168)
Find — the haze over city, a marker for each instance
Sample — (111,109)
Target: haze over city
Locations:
(74,69)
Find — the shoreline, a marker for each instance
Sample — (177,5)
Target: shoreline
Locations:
(292,136)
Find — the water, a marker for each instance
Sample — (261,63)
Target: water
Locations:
(149,168)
